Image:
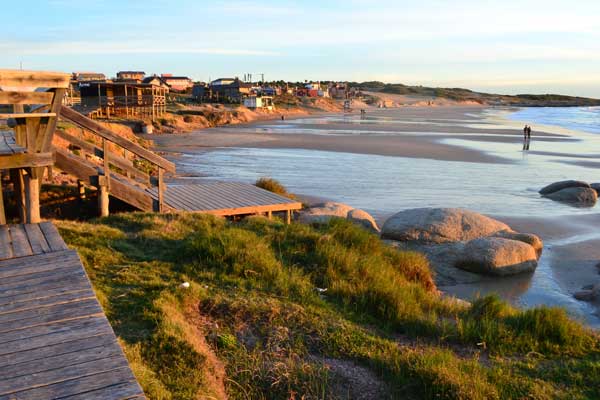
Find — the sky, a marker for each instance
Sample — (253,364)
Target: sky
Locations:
(508,46)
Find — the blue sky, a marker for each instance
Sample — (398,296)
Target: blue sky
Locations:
(508,46)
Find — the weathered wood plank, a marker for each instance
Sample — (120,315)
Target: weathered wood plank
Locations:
(95,349)
(48,335)
(23,319)
(5,243)
(55,241)
(124,391)
(26,115)
(72,276)
(63,374)
(33,79)
(36,238)
(72,345)
(20,244)
(24,160)
(77,386)
(16,97)
(42,300)
(39,262)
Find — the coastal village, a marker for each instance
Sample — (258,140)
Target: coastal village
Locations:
(123,278)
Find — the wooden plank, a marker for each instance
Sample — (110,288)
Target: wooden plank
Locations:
(51,126)
(33,79)
(5,243)
(25,160)
(51,334)
(26,115)
(79,386)
(74,276)
(69,356)
(129,390)
(36,238)
(56,313)
(20,244)
(15,97)
(45,299)
(55,241)
(64,374)
(87,123)
(39,262)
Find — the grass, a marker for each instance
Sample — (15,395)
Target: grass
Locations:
(273,185)
(269,303)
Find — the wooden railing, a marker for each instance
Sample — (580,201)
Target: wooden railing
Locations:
(121,171)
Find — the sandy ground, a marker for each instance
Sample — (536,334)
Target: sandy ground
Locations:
(452,121)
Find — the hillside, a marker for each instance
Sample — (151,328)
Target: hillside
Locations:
(466,95)
(277,311)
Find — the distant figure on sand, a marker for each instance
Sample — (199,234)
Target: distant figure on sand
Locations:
(526,137)
(282,117)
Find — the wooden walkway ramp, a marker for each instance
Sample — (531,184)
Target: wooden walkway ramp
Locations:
(224,199)
(55,341)
(112,165)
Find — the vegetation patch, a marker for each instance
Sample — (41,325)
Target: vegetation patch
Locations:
(273,310)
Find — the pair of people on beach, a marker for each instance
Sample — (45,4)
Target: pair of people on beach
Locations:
(526,137)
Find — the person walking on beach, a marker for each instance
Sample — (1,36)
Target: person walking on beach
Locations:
(526,137)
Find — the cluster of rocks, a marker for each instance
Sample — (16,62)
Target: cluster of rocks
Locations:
(463,239)
(576,193)
(454,240)
(589,293)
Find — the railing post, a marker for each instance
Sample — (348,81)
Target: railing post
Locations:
(161,190)
(106,162)
(103,198)
(32,199)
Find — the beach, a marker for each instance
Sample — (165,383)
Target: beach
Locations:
(409,157)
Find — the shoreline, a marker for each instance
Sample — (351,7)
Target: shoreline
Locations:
(565,265)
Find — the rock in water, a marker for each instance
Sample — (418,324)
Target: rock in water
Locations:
(577,196)
(440,225)
(596,187)
(497,256)
(529,238)
(556,186)
(363,218)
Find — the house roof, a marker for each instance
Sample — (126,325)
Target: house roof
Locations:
(131,72)
(167,78)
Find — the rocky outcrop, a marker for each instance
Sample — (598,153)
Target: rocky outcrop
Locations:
(497,256)
(578,196)
(440,225)
(322,213)
(576,193)
(556,186)
(454,238)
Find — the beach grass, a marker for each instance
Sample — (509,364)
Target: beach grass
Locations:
(276,311)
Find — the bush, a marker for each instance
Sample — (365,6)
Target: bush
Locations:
(274,186)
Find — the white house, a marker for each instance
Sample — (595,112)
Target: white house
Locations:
(264,102)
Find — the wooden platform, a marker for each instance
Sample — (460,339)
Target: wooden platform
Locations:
(55,341)
(224,198)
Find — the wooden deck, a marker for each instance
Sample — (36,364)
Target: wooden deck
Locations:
(224,199)
(8,145)
(55,341)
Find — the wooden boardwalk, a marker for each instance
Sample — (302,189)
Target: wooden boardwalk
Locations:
(55,341)
(224,199)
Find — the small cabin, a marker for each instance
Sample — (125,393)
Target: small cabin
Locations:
(131,75)
(126,99)
(259,102)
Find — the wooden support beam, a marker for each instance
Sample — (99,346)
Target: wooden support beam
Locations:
(32,199)
(24,160)
(270,214)
(288,217)
(81,189)
(106,159)
(161,190)
(103,198)
(16,176)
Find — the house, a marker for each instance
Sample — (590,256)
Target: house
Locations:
(156,81)
(87,76)
(131,75)
(254,102)
(177,83)
(232,90)
(128,99)
(338,91)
